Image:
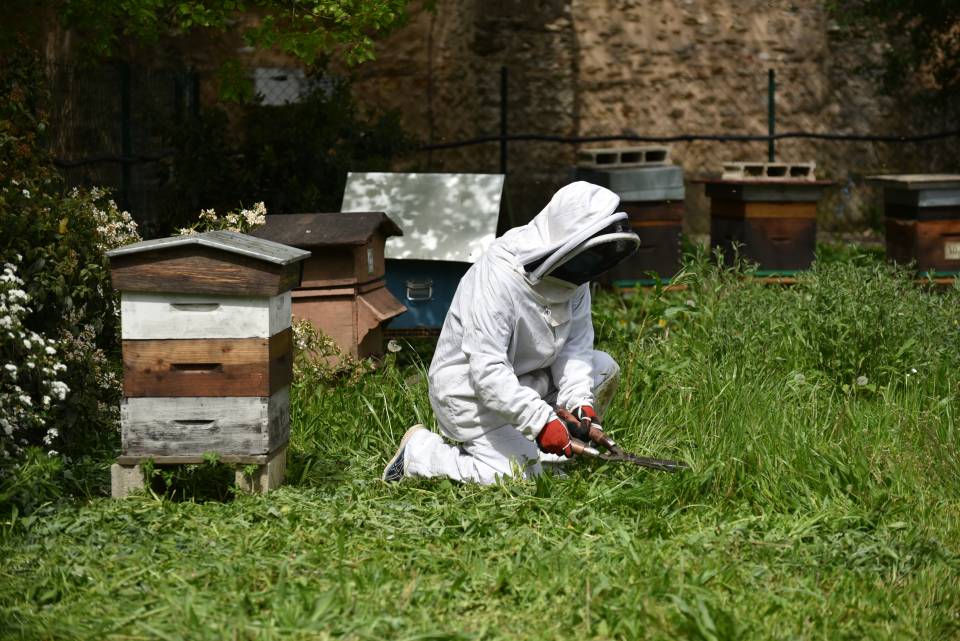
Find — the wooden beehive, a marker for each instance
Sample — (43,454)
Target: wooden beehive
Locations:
(207,353)
(771,221)
(343,291)
(923,220)
(652,194)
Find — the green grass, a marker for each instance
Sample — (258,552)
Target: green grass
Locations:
(819,506)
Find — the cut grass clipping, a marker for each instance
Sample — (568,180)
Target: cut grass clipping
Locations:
(820,421)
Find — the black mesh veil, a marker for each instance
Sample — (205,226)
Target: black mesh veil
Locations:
(598,254)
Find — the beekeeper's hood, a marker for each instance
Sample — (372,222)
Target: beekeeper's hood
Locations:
(578,236)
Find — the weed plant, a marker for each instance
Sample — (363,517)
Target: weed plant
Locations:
(820,421)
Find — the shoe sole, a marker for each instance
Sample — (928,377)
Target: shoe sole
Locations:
(403,444)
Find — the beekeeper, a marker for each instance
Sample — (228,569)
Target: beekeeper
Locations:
(515,354)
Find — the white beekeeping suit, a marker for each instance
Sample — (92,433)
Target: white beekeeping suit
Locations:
(517,341)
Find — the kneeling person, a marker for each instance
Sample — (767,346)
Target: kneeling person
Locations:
(516,348)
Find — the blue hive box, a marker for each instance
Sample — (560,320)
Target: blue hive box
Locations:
(448,220)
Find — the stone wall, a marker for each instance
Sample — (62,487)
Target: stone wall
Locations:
(656,67)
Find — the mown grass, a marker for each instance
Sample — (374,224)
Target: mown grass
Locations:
(824,500)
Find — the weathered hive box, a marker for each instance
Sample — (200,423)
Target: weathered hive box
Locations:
(207,353)
(342,292)
(448,220)
(652,194)
(768,212)
(923,220)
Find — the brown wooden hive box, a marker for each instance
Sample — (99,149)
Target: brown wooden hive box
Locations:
(207,353)
(660,228)
(769,222)
(922,220)
(342,292)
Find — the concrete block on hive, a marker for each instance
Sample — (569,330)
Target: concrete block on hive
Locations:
(623,157)
(799,171)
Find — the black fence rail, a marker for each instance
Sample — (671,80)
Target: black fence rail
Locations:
(112,127)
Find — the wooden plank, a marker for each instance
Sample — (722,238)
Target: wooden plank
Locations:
(242,459)
(724,208)
(208,367)
(195,269)
(654,211)
(335,316)
(933,244)
(192,426)
(148,315)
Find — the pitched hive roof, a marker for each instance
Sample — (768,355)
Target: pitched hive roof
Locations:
(326,229)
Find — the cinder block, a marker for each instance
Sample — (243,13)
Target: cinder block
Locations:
(610,158)
(801,171)
(125,479)
(267,477)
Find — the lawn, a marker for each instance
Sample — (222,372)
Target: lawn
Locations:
(820,421)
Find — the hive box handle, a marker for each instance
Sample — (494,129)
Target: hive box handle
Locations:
(195,422)
(199,368)
(195,307)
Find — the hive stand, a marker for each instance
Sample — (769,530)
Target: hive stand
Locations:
(127,475)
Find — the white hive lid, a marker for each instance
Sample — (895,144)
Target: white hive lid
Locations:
(450,217)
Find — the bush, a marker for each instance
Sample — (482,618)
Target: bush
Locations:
(60,312)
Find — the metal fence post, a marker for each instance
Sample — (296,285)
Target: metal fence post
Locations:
(126,142)
(503,120)
(771,114)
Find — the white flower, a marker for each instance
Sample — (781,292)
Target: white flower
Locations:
(24,399)
(52,453)
(46,400)
(10,367)
(59,389)
(49,350)
(6,321)
(862,380)
(913,370)
(187,231)
(31,364)
(393,346)
(26,343)
(26,193)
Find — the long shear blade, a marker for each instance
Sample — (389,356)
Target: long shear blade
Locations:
(663,465)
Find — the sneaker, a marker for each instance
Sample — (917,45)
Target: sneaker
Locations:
(394,471)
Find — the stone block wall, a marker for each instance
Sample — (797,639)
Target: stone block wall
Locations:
(657,67)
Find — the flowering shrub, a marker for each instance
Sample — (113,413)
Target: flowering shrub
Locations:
(60,338)
(241,221)
(29,383)
(318,359)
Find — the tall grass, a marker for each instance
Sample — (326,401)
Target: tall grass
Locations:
(820,421)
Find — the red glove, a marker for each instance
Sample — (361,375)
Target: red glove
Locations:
(555,439)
